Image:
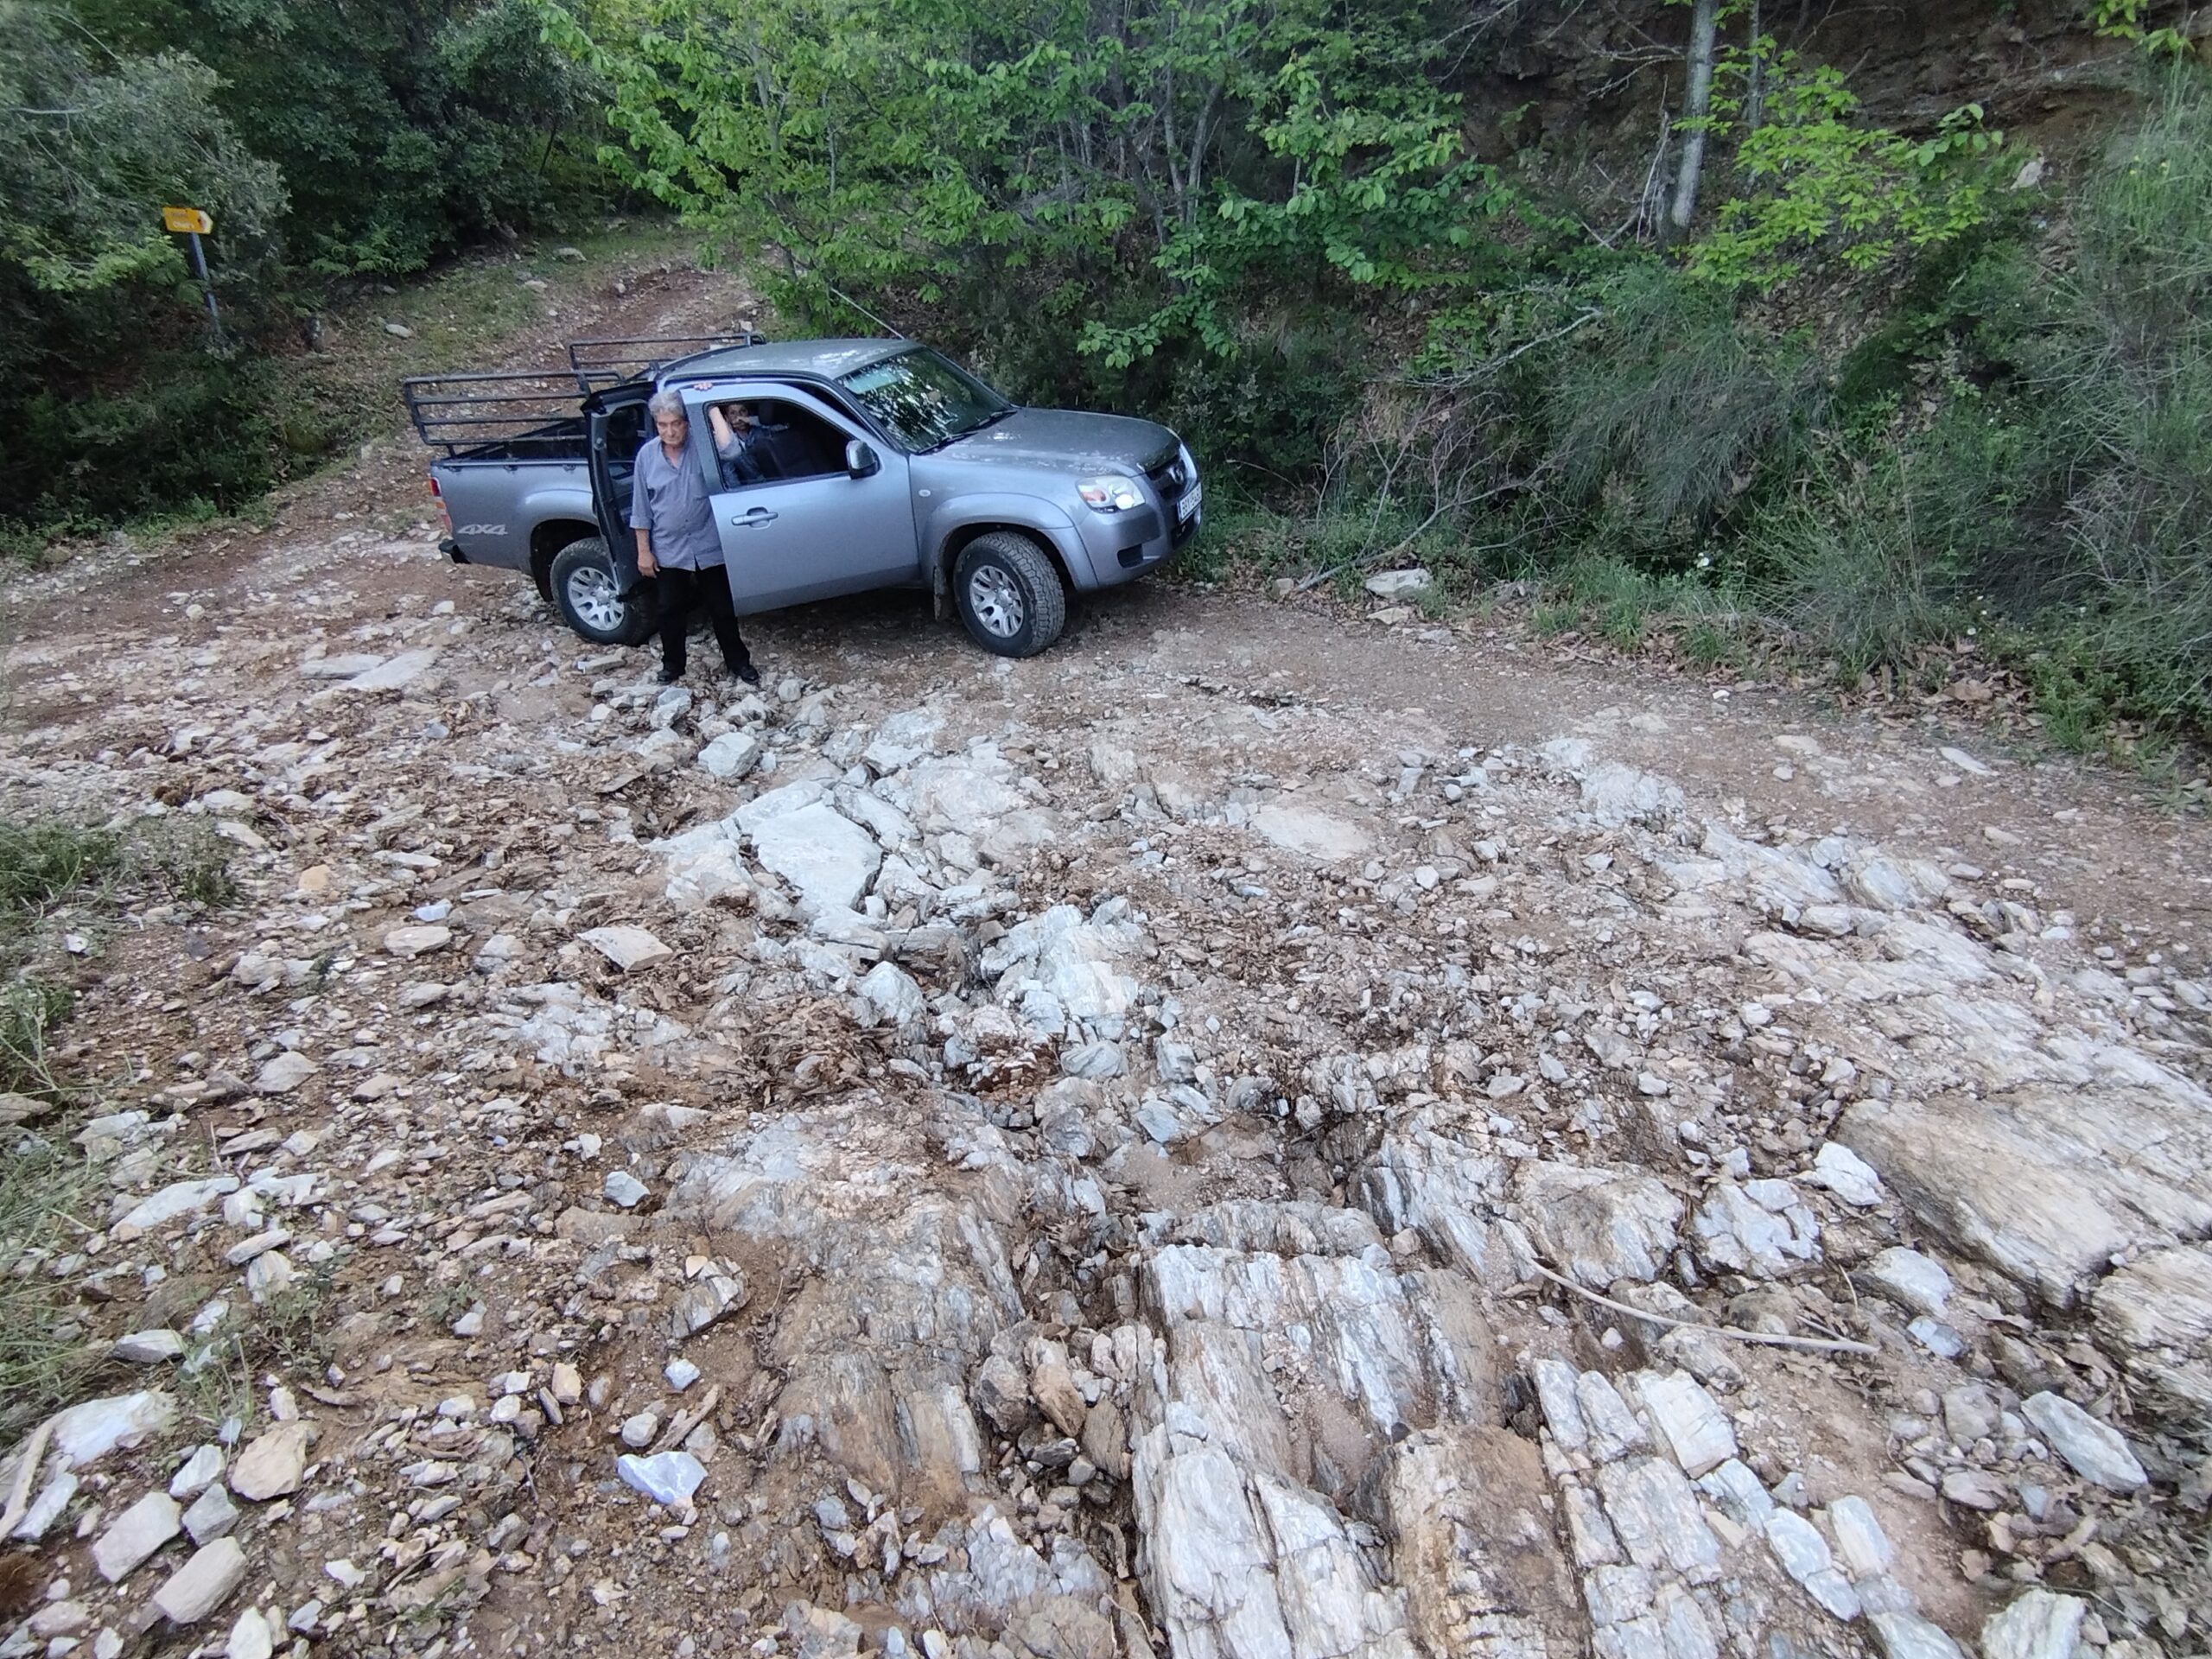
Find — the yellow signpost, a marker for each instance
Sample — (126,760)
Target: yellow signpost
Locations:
(192,224)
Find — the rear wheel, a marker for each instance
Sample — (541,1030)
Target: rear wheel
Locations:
(585,593)
(1009,594)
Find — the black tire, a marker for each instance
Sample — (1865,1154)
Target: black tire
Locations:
(583,592)
(1009,594)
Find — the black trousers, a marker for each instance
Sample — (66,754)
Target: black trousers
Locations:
(683,592)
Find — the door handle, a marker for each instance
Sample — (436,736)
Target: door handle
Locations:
(748,521)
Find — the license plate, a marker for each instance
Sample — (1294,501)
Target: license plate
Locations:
(1188,506)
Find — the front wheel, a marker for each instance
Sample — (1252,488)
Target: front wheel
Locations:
(585,593)
(1009,594)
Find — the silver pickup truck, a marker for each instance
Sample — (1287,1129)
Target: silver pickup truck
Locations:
(880,464)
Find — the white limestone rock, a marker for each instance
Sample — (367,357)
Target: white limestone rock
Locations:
(2094,1450)
(135,1534)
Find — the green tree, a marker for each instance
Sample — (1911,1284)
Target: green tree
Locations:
(405,128)
(92,143)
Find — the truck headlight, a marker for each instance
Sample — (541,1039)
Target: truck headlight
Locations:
(1112,493)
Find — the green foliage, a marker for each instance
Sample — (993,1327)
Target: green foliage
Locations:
(2123,20)
(1822,184)
(190,427)
(1147,205)
(1672,409)
(42,861)
(42,1183)
(327,139)
(90,145)
(403,127)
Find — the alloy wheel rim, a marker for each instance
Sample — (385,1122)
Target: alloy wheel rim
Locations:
(996,601)
(592,596)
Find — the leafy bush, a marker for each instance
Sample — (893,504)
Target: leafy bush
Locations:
(1673,410)
(189,427)
(1822,185)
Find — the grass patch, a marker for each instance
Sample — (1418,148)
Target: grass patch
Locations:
(43,1356)
(49,864)
(188,859)
(39,861)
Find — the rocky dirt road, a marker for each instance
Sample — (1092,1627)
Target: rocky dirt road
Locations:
(1231,1138)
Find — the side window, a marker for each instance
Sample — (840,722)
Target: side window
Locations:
(781,440)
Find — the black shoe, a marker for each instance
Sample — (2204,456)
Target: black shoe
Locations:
(670,676)
(746,672)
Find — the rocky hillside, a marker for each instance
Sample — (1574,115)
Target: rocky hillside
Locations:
(1230,1139)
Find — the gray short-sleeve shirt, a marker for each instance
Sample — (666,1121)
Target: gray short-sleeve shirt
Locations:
(668,500)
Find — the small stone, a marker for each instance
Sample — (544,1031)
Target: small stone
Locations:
(1970,1412)
(135,1534)
(1655,1516)
(1803,1554)
(1908,1635)
(202,1584)
(56,1620)
(1614,1431)
(243,1253)
(412,942)
(46,1509)
(252,1637)
(668,1479)
(1976,1489)
(699,1305)
(85,1434)
(638,1431)
(1690,1425)
(148,1347)
(1738,1491)
(1845,1174)
(1916,1283)
(1797,1544)
(681,1374)
(567,1385)
(1400,584)
(730,756)
(1858,1537)
(627,948)
(2038,1624)
(1002,1392)
(2094,1450)
(197,1473)
(471,1322)
(273,1464)
(623,1188)
(1937,1338)
(1555,1380)
(211,1516)
(284,1073)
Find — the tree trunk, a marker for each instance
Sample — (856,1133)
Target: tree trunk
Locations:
(1698,103)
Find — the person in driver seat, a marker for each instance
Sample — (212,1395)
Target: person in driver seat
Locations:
(740,442)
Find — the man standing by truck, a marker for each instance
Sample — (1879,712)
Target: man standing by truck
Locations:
(677,546)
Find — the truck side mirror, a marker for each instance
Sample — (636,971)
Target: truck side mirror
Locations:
(860,460)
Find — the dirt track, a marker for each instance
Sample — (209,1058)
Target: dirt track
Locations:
(1245,998)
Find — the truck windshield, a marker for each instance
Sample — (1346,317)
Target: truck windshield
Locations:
(924,401)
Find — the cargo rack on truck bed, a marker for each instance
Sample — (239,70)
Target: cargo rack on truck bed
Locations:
(605,362)
(522,410)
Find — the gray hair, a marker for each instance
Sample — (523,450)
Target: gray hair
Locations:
(665,403)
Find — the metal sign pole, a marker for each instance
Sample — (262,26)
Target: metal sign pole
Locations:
(206,284)
(192,224)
